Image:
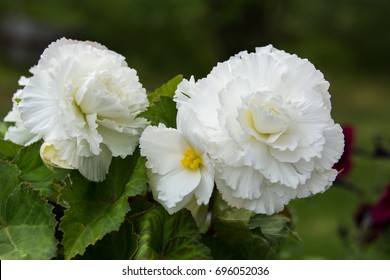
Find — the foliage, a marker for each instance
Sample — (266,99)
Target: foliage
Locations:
(165,236)
(162,108)
(24,216)
(58,214)
(239,234)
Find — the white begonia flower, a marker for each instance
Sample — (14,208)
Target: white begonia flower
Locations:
(268,116)
(84,100)
(180,170)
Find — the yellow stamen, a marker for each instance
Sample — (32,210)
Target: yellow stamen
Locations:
(191,159)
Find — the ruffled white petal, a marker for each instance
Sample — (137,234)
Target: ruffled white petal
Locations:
(91,135)
(319,182)
(245,182)
(121,141)
(18,133)
(272,200)
(333,147)
(95,168)
(40,110)
(183,91)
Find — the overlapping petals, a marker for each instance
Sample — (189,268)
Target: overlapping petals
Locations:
(267,117)
(180,169)
(84,100)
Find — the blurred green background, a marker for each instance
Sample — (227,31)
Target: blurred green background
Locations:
(348,40)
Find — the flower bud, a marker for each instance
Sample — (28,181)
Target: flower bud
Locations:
(50,157)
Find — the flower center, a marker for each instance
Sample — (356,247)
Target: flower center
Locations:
(263,116)
(269,120)
(191,159)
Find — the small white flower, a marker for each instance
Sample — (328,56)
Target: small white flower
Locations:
(268,116)
(179,167)
(84,100)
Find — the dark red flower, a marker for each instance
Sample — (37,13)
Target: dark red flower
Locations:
(380,212)
(374,219)
(344,165)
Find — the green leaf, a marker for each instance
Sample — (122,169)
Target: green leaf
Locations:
(186,248)
(162,111)
(238,232)
(89,217)
(232,238)
(3,129)
(8,150)
(164,236)
(233,244)
(162,108)
(95,209)
(137,185)
(225,216)
(117,245)
(275,228)
(35,172)
(168,89)
(139,206)
(200,213)
(27,224)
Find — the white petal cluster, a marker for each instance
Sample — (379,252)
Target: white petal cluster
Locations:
(180,170)
(83,100)
(267,119)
